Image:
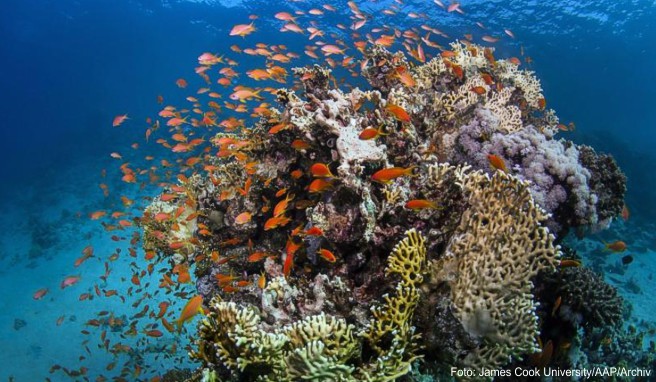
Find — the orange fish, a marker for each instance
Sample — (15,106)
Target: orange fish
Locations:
(242,30)
(243,218)
(68,281)
(420,204)
(119,119)
(487,78)
(625,213)
(261,281)
(181,82)
(398,112)
(299,144)
(371,133)
(97,215)
(478,90)
(193,307)
(616,246)
(569,263)
(327,255)
(314,231)
(38,295)
(154,333)
(321,170)
(497,162)
(277,221)
(386,175)
(281,207)
(319,185)
(559,301)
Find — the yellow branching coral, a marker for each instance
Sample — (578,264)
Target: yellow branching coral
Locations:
(498,247)
(393,319)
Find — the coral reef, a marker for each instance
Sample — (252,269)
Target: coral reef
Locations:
(235,345)
(333,241)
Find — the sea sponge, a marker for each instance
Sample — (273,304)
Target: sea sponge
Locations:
(490,260)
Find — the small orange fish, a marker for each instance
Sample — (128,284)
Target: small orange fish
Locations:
(371,133)
(478,90)
(616,246)
(296,174)
(38,295)
(281,206)
(261,281)
(154,333)
(420,204)
(559,301)
(319,185)
(487,78)
(569,263)
(256,256)
(386,175)
(542,103)
(119,119)
(193,307)
(327,255)
(68,281)
(625,213)
(299,144)
(496,162)
(277,221)
(398,112)
(243,218)
(314,231)
(321,170)
(97,215)
(242,30)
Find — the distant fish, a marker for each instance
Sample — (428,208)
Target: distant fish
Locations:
(616,246)
(489,39)
(509,33)
(626,260)
(38,295)
(119,119)
(625,213)
(242,30)
(68,281)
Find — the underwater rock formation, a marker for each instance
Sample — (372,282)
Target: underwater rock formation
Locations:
(289,228)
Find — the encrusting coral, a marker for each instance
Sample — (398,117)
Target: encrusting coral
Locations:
(290,226)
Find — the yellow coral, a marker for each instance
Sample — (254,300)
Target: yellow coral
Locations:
(393,319)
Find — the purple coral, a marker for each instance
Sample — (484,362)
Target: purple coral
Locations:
(559,182)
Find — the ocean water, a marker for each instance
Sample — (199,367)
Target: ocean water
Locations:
(69,67)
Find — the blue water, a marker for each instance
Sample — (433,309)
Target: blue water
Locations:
(69,67)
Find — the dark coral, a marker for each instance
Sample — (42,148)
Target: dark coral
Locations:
(607,181)
(587,300)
